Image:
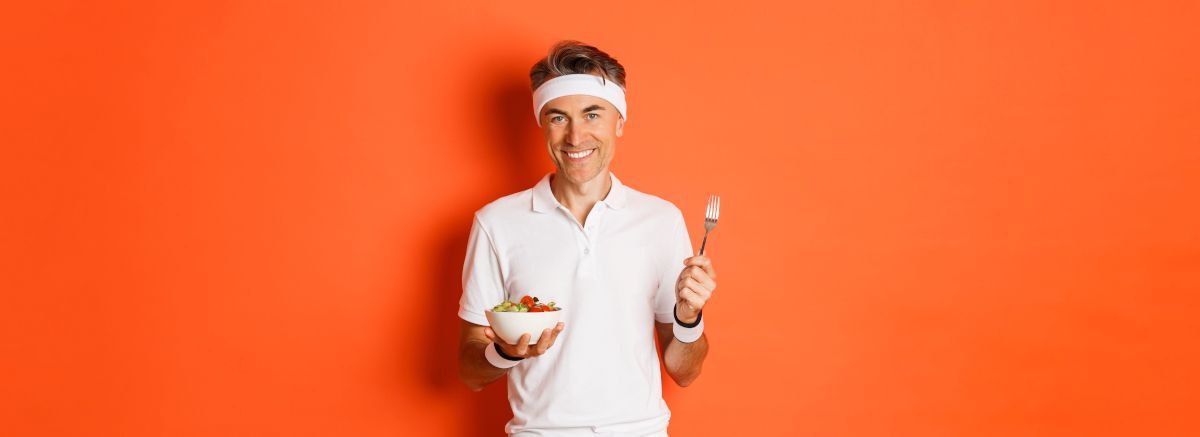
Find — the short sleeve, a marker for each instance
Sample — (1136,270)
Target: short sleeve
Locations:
(482,281)
(679,248)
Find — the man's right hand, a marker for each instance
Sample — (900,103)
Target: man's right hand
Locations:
(523,349)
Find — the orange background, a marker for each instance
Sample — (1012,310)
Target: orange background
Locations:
(225,219)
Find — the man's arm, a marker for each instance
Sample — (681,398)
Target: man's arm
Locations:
(694,286)
(682,360)
(473,368)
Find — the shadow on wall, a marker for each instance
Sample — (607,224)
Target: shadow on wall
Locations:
(513,143)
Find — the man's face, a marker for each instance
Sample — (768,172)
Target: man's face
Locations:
(581,125)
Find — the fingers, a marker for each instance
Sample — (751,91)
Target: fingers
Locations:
(542,344)
(699,275)
(700,268)
(557,329)
(547,339)
(693,299)
(522,346)
(704,291)
(704,263)
(696,286)
(696,283)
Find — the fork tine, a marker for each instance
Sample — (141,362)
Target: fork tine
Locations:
(717,209)
(708,208)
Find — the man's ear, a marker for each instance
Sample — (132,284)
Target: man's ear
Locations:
(620,127)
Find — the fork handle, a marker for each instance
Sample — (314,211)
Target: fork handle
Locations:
(705,242)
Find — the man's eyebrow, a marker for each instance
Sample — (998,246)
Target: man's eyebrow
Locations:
(588,109)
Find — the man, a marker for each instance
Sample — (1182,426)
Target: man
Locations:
(619,262)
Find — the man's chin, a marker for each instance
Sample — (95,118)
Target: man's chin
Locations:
(579,175)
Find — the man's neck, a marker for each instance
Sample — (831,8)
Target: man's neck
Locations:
(580,198)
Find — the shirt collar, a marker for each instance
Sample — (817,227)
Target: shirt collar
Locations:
(543,197)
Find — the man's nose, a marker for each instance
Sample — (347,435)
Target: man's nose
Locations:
(575,136)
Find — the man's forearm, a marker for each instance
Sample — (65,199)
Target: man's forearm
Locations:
(683,360)
(474,369)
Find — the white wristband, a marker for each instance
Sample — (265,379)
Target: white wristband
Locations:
(494,357)
(688,335)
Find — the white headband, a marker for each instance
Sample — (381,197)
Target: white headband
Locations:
(576,84)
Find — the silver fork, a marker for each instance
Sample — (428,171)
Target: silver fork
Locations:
(710,218)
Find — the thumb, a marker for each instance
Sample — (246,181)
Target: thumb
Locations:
(488,332)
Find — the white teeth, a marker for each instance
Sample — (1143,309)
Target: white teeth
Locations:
(578,155)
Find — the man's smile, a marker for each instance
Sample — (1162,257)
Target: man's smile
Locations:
(579,156)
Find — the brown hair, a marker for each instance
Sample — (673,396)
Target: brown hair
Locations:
(574,57)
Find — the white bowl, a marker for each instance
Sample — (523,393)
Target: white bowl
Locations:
(510,326)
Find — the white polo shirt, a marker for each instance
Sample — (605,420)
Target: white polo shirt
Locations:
(613,278)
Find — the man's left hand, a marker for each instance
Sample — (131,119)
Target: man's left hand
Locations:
(694,287)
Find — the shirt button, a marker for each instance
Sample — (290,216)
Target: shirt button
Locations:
(586,251)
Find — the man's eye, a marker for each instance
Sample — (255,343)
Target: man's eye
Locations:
(592,116)
(556,119)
